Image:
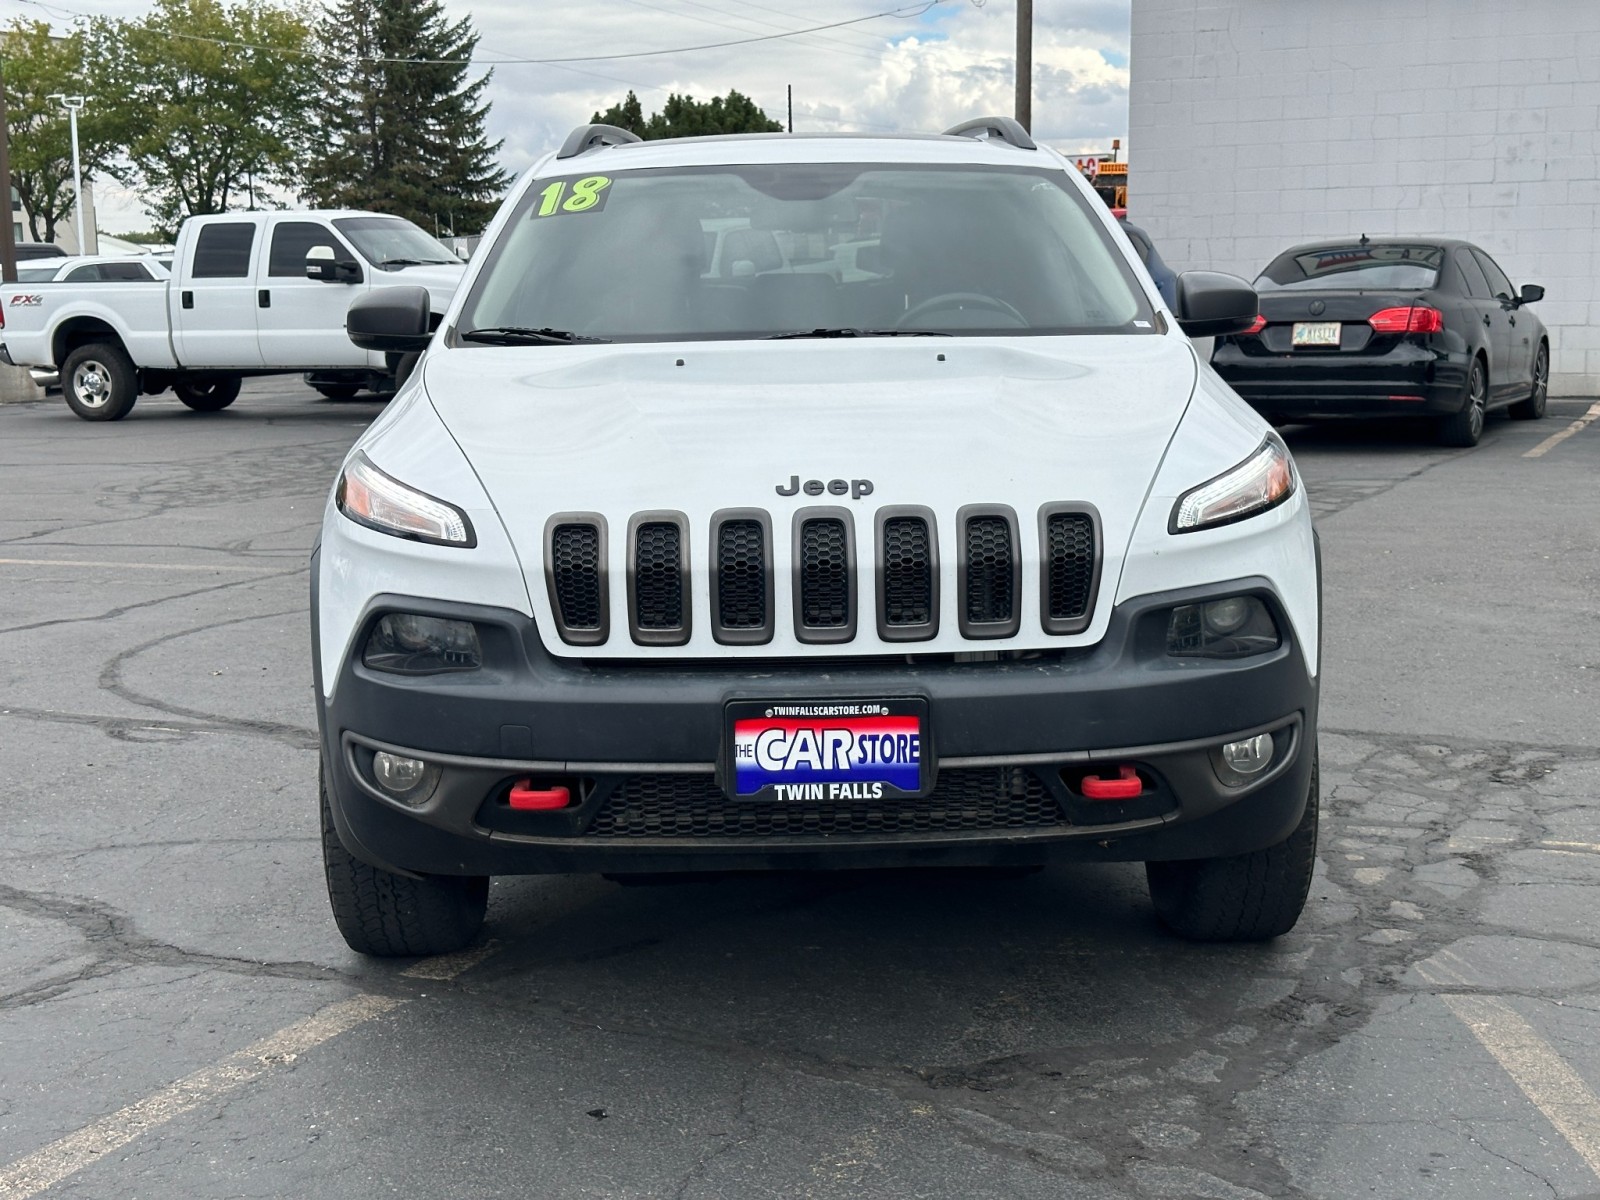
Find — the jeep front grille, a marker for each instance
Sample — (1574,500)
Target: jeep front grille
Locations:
(741,578)
(824,579)
(908,575)
(990,572)
(658,579)
(1069,570)
(575,570)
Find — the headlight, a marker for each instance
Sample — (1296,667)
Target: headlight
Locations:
(410,644)
(369,497)
(1231,628)
(1264,480)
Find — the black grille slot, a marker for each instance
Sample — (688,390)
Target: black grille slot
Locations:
(658,576)
(989,576)
(576,562)
(823,578)
(1069,570)
(742,575)
(907,572)
(973,799)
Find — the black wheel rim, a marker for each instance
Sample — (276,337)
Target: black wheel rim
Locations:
(1541,379)
(1475,417)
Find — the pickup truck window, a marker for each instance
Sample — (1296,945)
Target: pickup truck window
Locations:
(659,254)
(129,272)
(291,241)
(223,250)
(84,274)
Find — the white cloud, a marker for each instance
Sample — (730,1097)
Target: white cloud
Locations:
(922,74)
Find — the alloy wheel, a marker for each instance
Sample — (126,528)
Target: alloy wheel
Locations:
(91,384)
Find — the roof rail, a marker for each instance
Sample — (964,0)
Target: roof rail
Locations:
(589,137)
(985,128)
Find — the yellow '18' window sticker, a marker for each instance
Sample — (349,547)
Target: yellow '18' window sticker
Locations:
(562,196)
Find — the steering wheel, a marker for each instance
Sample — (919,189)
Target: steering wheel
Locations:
(960,300)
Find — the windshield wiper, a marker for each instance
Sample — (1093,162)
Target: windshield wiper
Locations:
(846,331)
(416,262)
(516,335)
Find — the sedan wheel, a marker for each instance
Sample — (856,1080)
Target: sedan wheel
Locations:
(1532,408)
(1466,427)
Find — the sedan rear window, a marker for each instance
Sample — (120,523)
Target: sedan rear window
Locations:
(764,251)
(1354,267)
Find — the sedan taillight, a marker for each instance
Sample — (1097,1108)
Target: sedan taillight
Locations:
(1417,318)
(1257,325)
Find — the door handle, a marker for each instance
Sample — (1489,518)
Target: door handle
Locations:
(188,299)
(1513,319)
(264,298)
(1486,320)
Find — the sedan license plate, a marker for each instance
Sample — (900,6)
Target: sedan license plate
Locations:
(835,750)
(1316,333)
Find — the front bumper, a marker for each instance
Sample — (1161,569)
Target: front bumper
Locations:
(1407,381)
(640,749)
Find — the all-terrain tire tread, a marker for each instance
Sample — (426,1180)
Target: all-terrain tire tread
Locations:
(1244,898)
(388,915)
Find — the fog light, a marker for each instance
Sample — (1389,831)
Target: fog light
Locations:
(1251,756)
(409,780)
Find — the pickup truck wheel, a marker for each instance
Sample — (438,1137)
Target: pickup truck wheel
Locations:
(337,391)
(211,394)
(99,382)
(388,915)
(1245,898)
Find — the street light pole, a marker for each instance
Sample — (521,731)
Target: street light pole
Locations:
(72,104)
(1025,64)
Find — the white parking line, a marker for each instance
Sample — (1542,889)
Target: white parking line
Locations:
(47,1167)
(141,566)
(1555,439)
(1555,1089)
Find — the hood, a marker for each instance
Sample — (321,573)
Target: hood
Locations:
(441,280)
(692,430)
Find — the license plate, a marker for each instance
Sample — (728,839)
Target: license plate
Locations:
(835,750)
(1316,333)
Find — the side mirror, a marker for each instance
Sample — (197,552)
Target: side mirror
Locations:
(1210,304)
(1532,293)
(391,319)
(323,265)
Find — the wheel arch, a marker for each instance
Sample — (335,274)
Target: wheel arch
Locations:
(82,331)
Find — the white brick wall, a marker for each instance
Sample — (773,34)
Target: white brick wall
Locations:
(1255,124)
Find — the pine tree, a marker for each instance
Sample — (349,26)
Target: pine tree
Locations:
(404,137)
(684,116)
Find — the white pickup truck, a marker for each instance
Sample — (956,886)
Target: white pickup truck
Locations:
(259,293)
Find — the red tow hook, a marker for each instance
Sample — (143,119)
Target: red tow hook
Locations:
(525,797)
(1125,786)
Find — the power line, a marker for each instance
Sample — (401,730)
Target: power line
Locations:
(844,47)
(909,11)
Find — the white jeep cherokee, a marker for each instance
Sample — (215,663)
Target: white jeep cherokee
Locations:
(782,502)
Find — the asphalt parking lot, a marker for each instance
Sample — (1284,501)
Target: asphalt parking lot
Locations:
(179,1016)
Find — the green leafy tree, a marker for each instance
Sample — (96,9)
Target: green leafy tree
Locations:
(684,116)
(400,128)
(209,101)
(37,66)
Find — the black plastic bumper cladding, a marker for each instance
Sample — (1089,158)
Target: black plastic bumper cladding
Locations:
(1051,715)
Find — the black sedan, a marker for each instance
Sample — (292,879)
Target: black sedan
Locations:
(1390,327)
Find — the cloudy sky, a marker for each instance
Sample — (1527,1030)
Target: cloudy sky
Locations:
(895,73)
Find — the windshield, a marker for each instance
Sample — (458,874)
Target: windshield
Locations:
(1371,267)
(746,251)
(393,242)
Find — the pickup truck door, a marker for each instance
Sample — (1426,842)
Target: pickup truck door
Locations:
(300,321)
(214,297)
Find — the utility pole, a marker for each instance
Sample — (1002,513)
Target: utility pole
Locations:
(8,235)
(1025,64)
(791,108)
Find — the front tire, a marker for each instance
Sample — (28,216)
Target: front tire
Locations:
(1466,427)
(1533,407)
(337,391)
(210,394)
(99,383)
(388,915)
(1244,898)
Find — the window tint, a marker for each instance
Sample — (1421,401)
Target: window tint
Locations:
(89,273)
(1499,285)
(1477,285)
(1346,267)
(291,241)
(125,272)
(36,274)
(223,251)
